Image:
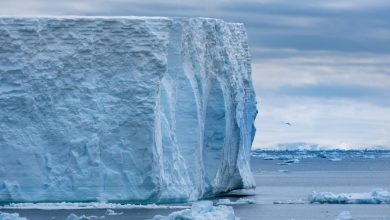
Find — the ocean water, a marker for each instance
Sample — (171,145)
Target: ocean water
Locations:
(288,184)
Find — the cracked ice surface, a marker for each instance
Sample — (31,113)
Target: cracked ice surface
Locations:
(135,109)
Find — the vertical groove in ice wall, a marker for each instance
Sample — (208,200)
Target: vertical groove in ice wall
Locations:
(131,109)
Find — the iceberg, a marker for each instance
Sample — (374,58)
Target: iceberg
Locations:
(124,109)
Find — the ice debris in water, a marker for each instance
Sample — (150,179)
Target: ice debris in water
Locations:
(379,196)
(11,216)
(203,210)
(345,215)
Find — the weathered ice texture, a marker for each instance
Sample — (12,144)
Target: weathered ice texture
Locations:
(136,109)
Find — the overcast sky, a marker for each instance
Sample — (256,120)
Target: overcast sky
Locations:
(321,66)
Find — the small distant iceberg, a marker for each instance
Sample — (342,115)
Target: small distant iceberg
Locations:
(334,159)
(379,196)
(203,210)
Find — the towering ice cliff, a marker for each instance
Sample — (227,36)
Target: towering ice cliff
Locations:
(132,109)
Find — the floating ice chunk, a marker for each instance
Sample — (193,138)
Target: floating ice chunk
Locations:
(11,216)
(73,216)
(334,159)
(203,210)
(291,161)
(224,202)
(237,202)
(245,200)
(375,197)
(289,202)
(112,212)
(345,215)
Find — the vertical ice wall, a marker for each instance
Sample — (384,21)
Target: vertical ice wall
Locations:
(134,109)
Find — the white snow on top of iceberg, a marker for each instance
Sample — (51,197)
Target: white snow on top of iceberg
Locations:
(203,210)
(375,197)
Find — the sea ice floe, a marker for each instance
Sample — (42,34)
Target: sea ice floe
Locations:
(11,216)
(237,202)
(375,197)
(283,171)
(290,202)
(203,210)
(112,212)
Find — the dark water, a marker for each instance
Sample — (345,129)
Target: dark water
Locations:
(351,174)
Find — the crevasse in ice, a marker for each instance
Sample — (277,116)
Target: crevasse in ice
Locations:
(136,109)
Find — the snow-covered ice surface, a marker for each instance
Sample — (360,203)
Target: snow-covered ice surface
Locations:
(124,109)
(375,197)
(10,216)
(203,210)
